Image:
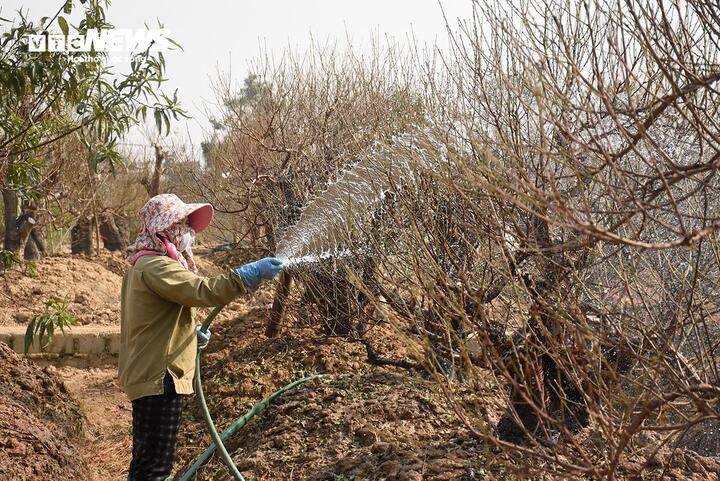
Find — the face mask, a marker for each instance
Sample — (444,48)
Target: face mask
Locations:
(186,240)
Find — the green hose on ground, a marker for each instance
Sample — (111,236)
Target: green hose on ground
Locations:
(204,409)
(234,427)
(239,423)
(211,425)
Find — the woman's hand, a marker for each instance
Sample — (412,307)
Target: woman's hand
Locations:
(202,338)
(254,272)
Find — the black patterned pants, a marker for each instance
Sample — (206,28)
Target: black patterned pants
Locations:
(156,421)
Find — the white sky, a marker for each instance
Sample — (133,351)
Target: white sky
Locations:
(223,35)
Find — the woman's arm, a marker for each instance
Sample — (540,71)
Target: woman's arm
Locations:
(171,281)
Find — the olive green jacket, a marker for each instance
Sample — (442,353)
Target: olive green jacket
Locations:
(157,331)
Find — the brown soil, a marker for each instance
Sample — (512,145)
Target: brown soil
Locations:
(360,422)
(90,286)
(40,423)
(108,429)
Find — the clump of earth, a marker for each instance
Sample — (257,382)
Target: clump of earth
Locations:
(41,424)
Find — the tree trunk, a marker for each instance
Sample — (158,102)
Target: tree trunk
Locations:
(277,310)
(38,239)
(81,236)
(12,234)
(32,250)
(25,224)
(282,292)
(34,243)
(123,227)
(111,234)
(153,185)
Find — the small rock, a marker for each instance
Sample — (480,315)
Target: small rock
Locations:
(81,298)
(22,317)
(366,437)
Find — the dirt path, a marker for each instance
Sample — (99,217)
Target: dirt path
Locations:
(109,419)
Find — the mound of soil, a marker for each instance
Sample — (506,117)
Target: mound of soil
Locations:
(40,423)
(89,284)
(358,422)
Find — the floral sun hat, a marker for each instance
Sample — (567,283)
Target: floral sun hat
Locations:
(163,221)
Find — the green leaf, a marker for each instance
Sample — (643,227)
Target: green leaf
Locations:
(67,9)
(158,120)
(175,43)
(29,334)
(30,268)
(41,332)
(50,334)
(63,25)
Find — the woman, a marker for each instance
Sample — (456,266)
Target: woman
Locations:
(158,336)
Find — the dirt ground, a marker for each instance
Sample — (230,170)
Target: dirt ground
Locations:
(359,422)
(40,423)
(69,419)
(107,443)
(91,286)
(98,444)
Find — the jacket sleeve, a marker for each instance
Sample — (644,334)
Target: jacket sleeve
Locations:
(171,281)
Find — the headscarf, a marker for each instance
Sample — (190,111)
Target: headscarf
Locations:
(163,221)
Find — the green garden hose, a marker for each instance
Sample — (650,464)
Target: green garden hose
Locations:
(211,425)
(234,427)
(239,423)
(210,318)
(204,409)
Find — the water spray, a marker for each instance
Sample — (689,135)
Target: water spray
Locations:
(330,217)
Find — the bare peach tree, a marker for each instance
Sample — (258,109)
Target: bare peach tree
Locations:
(565,256)
(292,128)
(548,251)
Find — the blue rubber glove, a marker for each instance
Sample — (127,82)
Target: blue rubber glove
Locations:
(202,338)
(253,273)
